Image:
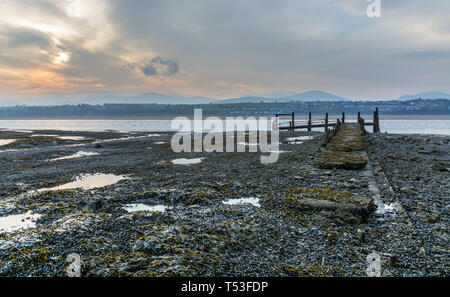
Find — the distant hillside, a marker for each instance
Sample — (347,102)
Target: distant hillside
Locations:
(250,99)
(425,95)
(150,97)
(314,96)
(307,96)
(395,107)
(145,98)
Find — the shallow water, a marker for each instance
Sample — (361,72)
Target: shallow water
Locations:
(252,200)
(6,141)
(76,155)
(17,222)
(44,135)
(125,138)
(89,181)
(187,161)
(60,137)
(144,207)
(403,125)
(72,137)
(16,130)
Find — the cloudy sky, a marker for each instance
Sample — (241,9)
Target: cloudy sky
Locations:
(223,48)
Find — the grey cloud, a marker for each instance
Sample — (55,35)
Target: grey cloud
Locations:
(149,70)
(157,66)
(271,44)
(161,66)
(103,67)
(287,43)
(20,47)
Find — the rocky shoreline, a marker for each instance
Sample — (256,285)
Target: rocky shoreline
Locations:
(273,232)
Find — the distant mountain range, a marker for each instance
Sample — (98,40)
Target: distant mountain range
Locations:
(145,98)
(307,96)
(153,97)
(425,95)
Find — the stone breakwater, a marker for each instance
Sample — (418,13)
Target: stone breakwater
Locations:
(291,218)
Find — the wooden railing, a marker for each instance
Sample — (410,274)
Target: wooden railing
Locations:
(292,124)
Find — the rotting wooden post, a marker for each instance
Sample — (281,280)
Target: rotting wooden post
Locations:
(378,121)
(326,122)
(375,122)
(293,121)
(359,116)
(337,127)
(343,118)
(309,122)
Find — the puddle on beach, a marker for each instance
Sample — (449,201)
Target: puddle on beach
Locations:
(125,138)
(251,200)
(257,143)
(76,155)
(89,181)
(298,139)
(386,208)
(187,161)
(6,141)
(248,144)
(18,131)
(17,222)
(44,135)
(60,137)
(278,151)
(144,207)
(72,137)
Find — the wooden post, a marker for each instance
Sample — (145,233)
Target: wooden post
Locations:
(359,116)
(326,122)
(377,121)
(309,122)
(337,127)
(293,121)
(343,118)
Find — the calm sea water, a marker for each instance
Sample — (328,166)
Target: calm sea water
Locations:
(408,126)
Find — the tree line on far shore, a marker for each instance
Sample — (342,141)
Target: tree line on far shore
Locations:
(425,107)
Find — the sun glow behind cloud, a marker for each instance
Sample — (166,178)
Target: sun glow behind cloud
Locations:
(61,58)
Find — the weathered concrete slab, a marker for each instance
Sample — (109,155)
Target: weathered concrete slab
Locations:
(323,198)
(359,209)
(349,138)
(340,160)
(346,150)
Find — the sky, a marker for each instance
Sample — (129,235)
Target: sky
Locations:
(223,48)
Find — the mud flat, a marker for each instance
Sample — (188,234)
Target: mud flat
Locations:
(228,215)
